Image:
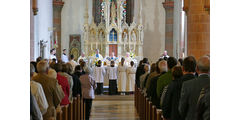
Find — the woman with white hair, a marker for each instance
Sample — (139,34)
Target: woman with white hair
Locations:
(88,85)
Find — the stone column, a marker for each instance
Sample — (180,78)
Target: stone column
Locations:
(57,8)
(169,5)
(31,32)
(177,27)
(198,28)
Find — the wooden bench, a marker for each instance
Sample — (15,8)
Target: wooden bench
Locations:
(159,114)
(70,111)
(65,112)
(74,108)
(154,112)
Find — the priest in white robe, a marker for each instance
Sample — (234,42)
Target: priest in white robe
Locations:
(122,77)
(131,71)
(64,56)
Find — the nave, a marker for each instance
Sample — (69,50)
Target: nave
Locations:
(115,107)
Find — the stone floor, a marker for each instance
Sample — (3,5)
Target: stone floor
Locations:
(114,108)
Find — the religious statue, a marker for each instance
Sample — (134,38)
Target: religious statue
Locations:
(42,46)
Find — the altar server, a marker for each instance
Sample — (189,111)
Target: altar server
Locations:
(112,76)
(99,73)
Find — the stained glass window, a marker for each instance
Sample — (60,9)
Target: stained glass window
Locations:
(113,35)
(124,8)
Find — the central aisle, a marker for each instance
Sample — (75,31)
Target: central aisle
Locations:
(114,108)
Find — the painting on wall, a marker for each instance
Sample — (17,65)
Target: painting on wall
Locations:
(75,45)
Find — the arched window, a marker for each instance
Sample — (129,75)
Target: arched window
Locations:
(113,35)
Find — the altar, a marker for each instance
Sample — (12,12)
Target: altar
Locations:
(113,34)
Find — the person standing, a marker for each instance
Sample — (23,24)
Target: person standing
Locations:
(38,93)
(191,90)
(122,77)
(63,81)
(72,62)
(112,76)
(64,56)
(131,71)
(49,86)
(88,85)
(53,54)
(140,71)
(99,73)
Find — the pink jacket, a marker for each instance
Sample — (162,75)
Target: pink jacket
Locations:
(88,85)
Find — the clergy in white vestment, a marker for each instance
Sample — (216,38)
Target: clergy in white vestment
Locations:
(112,58)
(128,59)
(131,71)
(64,57)
(52,54)
(98,56)
(112,76)
(83,57)
(122,77)
(99,73)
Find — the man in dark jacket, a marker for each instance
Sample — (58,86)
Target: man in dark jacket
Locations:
(77,89)
(140,71)
(171,101)
(203,108)
(191,90)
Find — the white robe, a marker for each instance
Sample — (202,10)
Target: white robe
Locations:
(131,71)
(122,78)
(99,73)
(64,58)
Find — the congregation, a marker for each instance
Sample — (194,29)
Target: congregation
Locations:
(179,87)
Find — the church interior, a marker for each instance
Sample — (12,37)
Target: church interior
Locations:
(109,31)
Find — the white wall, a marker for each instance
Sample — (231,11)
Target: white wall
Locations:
(73,19)
(153,14)
(44,20)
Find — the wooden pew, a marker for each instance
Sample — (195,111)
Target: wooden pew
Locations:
(82,109)
(146,108)
(78,108)
(74,108)
(70,111)
(65,112)
(159,114)
(149,110)
(58,113)
(154,112)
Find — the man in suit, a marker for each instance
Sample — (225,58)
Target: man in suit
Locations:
(172,96)
(49,86)
(191,90)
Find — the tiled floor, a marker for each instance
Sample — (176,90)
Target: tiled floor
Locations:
(114,108)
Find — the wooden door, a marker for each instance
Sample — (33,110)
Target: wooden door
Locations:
(113,48)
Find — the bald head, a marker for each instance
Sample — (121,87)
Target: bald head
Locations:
(203,64)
